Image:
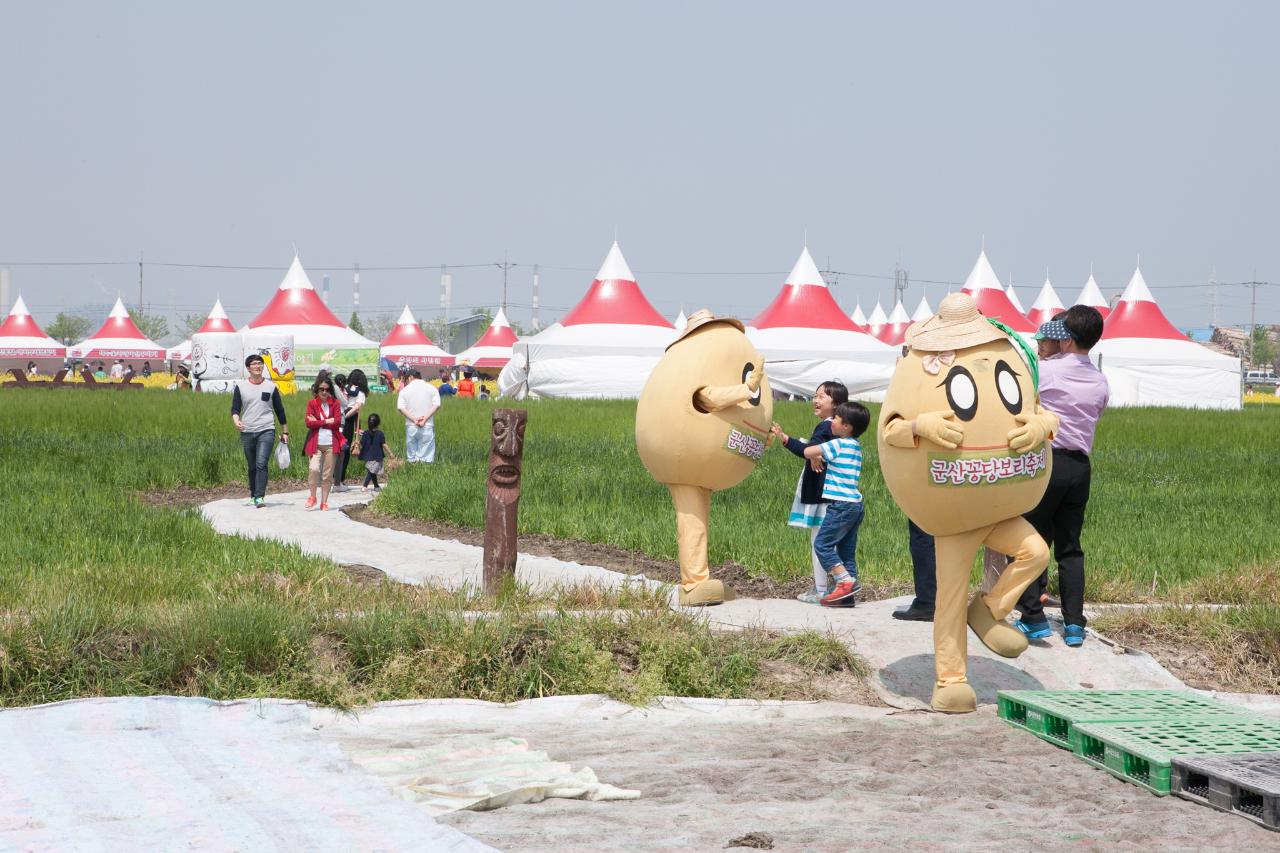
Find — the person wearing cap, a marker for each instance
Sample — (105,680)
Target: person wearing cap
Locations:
(1077,392)
(256,405)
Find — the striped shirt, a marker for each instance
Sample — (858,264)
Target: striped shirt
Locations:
(844,469)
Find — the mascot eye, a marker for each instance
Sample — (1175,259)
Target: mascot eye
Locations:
(746,371)
(962,393)
(1010,390)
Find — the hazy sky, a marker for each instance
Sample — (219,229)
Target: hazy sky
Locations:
(712,136)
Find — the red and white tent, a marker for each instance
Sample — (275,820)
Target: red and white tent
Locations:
(681,322)
(894,330)
(1148,362)
(877,320)
(986,290)
(806,340)
(406,343)
(859,319)
(1046,305)
(605,347)
(1013,297)
(1091,294)
(217,321)
(922,312)
(23,341)
(118,339)
(494,348)
(296,309)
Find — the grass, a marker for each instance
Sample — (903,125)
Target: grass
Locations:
(102,593)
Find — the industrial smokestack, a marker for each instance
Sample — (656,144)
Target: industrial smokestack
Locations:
(324,290)
(446,292)
(355,290)
(534,322)
(5,304)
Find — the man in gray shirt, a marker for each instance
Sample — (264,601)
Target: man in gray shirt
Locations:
(256,405)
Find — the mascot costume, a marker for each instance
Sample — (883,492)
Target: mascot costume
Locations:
(702,424)
(964,447)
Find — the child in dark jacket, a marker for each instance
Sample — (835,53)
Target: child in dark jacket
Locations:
(373,450)
(809,507)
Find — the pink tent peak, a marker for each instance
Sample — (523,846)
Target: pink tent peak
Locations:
(406,332)
(1046,305)
(804,302)
(20,323)
(1091,294)
(217,321)
(499,333)
(296,303)
(120,325)
(1137,315)
(614,298)
(894,331)
(986,290)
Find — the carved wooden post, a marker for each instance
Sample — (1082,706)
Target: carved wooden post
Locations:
(502,498)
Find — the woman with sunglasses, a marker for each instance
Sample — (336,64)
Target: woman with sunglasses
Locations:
(324,439)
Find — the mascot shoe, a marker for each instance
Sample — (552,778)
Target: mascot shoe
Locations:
(954,698)
(997,635)
(706,593)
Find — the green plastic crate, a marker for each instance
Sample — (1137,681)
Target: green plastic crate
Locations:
(1141,752)
(1053,714)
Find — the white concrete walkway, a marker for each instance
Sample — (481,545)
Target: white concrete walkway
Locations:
(900,653)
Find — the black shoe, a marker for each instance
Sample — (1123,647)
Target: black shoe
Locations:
(914,614)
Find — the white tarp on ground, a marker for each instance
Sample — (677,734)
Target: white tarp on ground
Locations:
(166,773)
(1166,372)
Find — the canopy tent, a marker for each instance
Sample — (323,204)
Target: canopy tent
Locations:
(682,322)
(493,350)
(877,320)
(319,338)
(217,321)
(23,341)
(1091,294)
(806,339)
(605,347)
(118,339)
(1148,362)
(1046,305)
(859,319)
(1013,297)
(407,344)
(894,330)
(986,290)
(922,312)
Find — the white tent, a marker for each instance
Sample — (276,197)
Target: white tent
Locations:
(1091,294)
(682,322)
(922,312)
(806,340)
(407,344)
(118,340)
(1148,362)
(23,341)
(605,347)
(859,319)
(877,319)
(1046,305)
(986,290)
(494,348)
(894,330)
(1013,297)
(217,321)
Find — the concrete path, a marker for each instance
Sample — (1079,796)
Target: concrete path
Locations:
(900,653)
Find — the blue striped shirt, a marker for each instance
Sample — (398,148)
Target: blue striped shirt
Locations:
(844,469)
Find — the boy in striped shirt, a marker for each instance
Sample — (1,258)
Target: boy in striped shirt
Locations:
(837,539)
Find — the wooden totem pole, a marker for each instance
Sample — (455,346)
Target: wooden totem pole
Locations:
(502,499)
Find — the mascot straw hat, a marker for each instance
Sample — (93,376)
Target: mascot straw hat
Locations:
(957,325)
(703,318)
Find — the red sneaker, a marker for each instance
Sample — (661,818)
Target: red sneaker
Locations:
(844,595)
(311,502)
(323,507)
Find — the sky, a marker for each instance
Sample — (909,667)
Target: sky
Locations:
(713,139)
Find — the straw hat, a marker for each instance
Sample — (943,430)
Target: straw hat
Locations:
(702,318)
(958,324)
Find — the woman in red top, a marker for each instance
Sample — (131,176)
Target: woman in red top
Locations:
(324,438)
(466,388)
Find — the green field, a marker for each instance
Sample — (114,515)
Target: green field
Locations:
(101,593)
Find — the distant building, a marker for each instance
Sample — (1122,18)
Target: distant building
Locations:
(464,332)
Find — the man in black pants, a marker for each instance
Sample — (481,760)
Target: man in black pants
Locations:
(1077,392)
(924,570)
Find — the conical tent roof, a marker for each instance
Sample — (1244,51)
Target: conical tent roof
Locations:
(1046,305)
(217,321)
(859,319)
(493,349)
(682,322)
(118,338)
(922,312)
(804,302)
(894,330)
(407,343)
(877,318)
(1137,315)
(614,298)
(21,337)
(1091,294)
(1013,297)
(986,290)
(296,309)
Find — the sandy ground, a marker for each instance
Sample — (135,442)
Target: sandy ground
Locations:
(865,781)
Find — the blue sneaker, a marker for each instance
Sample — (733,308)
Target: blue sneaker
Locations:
(1073,635)
(1034,630)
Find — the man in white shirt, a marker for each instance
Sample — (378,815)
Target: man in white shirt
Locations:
(418,401)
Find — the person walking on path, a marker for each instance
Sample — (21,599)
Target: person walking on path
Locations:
(357,394)
(373,450)
(419,401)
(256,405)
(1072,388)
(809,506)
(324,439)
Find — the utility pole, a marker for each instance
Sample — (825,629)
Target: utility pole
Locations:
(446,291)
(901,280)
(1253,313)
(139,307)
(534,323)
(1213,298)
(505,266)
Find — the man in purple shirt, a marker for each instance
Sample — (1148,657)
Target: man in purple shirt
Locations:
(1077,392)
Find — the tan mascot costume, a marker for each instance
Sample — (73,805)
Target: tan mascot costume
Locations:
(964,450)
(701,426)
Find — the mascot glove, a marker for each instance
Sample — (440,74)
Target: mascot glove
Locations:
(1033,432)
(754,379)
(941,428)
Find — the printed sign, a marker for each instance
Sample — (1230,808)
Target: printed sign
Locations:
(987,468)
(746,445)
